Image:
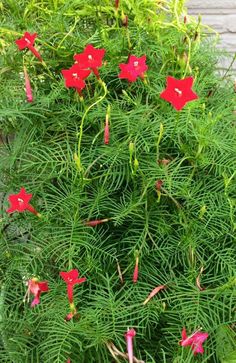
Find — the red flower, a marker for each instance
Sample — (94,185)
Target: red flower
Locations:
(195,341)
(129,341)
(27,41)
(20,202)
(74,77)
(28,89)
(71,279)
(179,92)
(90,58)
(134,68)
(35,288)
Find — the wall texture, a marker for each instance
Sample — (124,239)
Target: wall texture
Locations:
(221,15)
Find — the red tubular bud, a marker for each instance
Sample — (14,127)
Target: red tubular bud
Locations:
(163,162)
(153,293)
(106,131)
(159,184)
(96,222)
(117,3)
(125,21)
(135,274)
(28,89)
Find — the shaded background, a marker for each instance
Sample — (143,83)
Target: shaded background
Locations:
(221,15)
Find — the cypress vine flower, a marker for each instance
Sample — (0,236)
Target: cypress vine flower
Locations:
(74,77)
(71,279)
(90,58)
(20,202)
(195,341)
(136,67)
(27,41)
(153,293)
(129,342)
(179,92)
(35,288)
(28,89)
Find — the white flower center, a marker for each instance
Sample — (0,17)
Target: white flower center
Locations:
(75,75)
(90,57)
(178,91)
(27,40)
(136,63)
(20,200)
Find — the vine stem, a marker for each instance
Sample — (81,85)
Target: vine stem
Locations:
(100,99)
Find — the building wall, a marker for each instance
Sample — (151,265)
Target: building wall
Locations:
(221,15)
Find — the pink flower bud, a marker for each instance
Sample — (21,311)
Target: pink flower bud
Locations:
(28,89)
(129,342)
(117,3)
(135,274)
(159,184)
(163,162)
(153,293)
(96,222)
(106,131)
(125,21)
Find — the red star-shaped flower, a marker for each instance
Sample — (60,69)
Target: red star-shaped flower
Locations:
(195,341)
(90,58)
(136,67)
(179,92)
(71,279)
(35,288)
(20,202)
(74,77)
(27,41)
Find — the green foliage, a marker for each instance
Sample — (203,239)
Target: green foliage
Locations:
(191,225)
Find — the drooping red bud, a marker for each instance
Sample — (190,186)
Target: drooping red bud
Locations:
(106,131)
(164,161)
(135,274)
(96,222)
(153,293)
(159,184)
(28,89)
(125,21)
(117,2)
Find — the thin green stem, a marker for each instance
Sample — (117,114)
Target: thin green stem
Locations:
(100,99)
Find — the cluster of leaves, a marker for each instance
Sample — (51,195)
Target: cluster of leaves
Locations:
(192,225)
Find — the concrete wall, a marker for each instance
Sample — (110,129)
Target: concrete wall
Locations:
(221,15)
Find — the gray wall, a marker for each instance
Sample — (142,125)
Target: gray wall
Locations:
(221,15)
